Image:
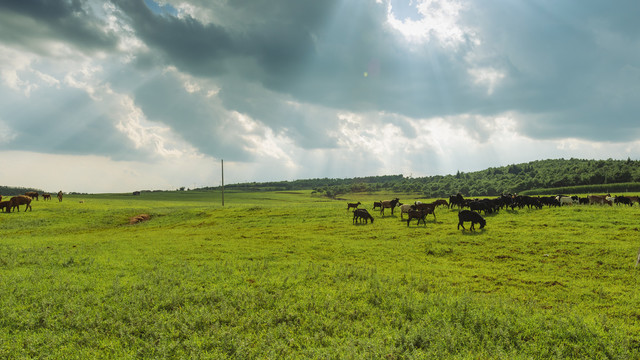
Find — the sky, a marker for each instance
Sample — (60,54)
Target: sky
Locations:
(121,95)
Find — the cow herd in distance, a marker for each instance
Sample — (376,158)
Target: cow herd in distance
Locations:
(15,201)
(419,210)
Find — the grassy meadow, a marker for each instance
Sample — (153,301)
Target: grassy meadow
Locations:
(286,275)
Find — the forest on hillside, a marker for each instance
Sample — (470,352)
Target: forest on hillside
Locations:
(534,176)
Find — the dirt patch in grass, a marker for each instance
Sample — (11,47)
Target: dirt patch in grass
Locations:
(139,218)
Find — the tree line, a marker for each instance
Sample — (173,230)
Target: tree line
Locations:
(552,176)
(540,176)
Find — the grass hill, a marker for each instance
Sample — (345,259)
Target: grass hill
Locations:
(540,176)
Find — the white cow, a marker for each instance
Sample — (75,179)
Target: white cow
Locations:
(565,200)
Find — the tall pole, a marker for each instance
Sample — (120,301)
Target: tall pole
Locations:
(222,163)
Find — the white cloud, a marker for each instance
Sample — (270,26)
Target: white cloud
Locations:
(439,19)
(488,77)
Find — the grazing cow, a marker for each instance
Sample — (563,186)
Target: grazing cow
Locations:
(32,194)
(404,209)
(46,197)
(622,200)
(486,205)
(16,201)
(473,217)
(427,208)
(362,214)
(353,205)
(564,200)
(599,199)
(60,195)
(4,206)
(417,214)
(389,204)
(457,200)
(442,202)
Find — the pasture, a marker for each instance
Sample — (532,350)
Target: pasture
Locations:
(288,275)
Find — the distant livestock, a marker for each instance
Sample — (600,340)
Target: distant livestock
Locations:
(32,194)
(46,197)
(417,214)
(565,200)
(404,209)
(60,195)
(442,202)
(16,201)
(4,206)
(457,200)
(362,214)
(623,200)
(599,199)
(353,205)
(427,208)
(136,193)
(377,205)
(632,198)
(473,217)
(389,204)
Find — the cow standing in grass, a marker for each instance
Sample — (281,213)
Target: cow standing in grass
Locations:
(388,204)
(417,214)
(16,201)
(32,194)
(362,214)
(473,217)
(353,205)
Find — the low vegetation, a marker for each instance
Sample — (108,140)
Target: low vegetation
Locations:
(535,177)
(288,275)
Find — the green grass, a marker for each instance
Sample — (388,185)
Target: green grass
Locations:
(287,275)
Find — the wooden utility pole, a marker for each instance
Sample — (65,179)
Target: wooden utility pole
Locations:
(222,163)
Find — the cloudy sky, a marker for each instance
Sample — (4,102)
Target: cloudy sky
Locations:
(122,95)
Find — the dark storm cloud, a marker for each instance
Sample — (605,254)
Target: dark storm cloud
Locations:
(568,69)
(313,53)
(201,122)
(197,48)
(70,21)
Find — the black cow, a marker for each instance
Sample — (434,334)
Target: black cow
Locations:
(362,214)
(473,217)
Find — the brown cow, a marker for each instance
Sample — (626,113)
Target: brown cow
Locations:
(632,198)
(441,202)
(4,206)
(60,195)
(427,208)
(46,197)
(388,204)
(16,201)
(32,194)
(417,214)
(353,205)
(599,199)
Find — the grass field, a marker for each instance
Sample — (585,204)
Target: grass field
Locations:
(287,275)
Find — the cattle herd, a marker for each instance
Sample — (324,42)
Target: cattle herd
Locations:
(15,201)
(476,207)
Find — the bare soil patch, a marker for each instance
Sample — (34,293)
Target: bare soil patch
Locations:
(139,218)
